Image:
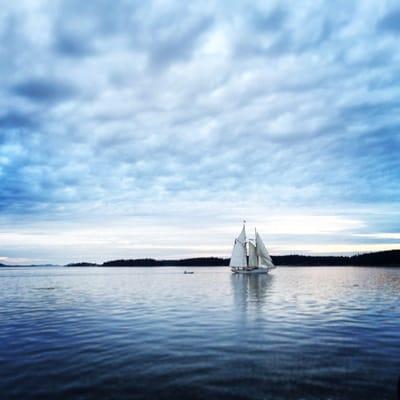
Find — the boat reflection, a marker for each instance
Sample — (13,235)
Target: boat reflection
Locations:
(251,289)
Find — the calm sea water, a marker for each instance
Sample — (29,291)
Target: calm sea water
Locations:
(140,333)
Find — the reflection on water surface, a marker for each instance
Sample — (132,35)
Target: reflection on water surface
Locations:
(101,333)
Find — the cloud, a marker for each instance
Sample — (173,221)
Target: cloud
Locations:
(390,22)
(185,119)
(16,120)
(273,21)
(43,90)
(72,46)
(178,45)
(385,235)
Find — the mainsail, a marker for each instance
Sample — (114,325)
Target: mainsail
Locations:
(262,252)
(253,259)
(239,253)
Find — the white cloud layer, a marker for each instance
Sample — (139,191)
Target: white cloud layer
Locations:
(154,128)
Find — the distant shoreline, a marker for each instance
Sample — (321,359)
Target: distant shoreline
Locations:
(382,258)
(213,266)
(390,258)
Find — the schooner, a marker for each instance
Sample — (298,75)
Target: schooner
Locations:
(258,261)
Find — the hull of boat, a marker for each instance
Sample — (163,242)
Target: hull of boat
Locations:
(245,271)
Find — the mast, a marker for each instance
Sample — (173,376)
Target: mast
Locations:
(255,241)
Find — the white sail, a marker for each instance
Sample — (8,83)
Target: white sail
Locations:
(262,252)
(239,253)
(253,259)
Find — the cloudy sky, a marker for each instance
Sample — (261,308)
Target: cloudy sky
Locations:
(137,128)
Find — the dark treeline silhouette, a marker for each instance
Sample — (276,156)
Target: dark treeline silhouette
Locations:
(381,258)
(388,258)
(83,264)
(187,262)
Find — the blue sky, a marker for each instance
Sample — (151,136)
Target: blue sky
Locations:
(132,129)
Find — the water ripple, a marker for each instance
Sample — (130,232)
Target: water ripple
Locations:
(120,333)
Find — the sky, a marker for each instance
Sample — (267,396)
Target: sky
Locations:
(136,129)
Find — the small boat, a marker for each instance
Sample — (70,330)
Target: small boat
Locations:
(258,261)
(188,272)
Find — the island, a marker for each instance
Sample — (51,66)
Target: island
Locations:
(381,258)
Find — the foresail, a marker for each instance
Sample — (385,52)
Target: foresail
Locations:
(239,254)
(262,252)
(242,237)
(239,257)
(253,259)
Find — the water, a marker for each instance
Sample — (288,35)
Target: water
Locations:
(140,333)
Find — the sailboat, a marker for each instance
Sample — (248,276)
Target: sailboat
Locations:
(258,261)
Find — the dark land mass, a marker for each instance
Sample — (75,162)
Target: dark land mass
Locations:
(27,265)
(381,258)
(83,264)
(187,262)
